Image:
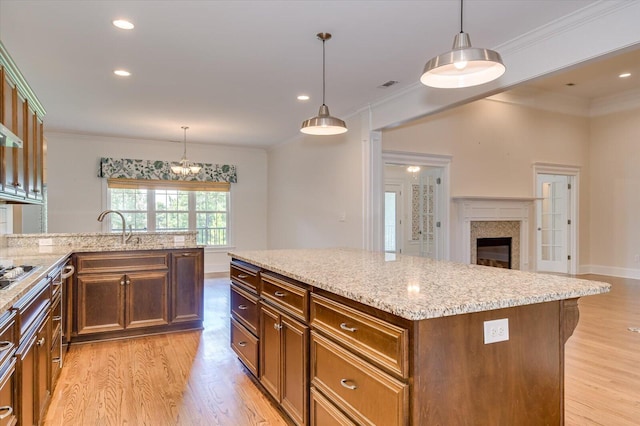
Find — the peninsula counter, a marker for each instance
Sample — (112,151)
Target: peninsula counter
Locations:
(373,338)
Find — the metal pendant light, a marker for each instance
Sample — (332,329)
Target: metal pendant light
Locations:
(463,66)
(323,123)
(185,167)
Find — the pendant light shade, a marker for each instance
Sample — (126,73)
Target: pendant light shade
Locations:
(184,166)
(323,123)
(463,66)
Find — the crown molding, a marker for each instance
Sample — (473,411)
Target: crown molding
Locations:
(615,103)
(544,100)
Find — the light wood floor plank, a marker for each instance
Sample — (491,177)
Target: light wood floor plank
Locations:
(193,378)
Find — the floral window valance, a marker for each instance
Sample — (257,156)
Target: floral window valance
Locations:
(155,170)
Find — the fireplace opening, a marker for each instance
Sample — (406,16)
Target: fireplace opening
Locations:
(494,252)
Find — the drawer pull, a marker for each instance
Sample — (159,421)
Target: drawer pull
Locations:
(243,276)
(343,382)
(5,344)
(277,326)
(40,342)
(5,411)
(279,294)
(57,318)
(56,360)
(346,328)
(243,344)
(122,281)
(242,307)
(67,272)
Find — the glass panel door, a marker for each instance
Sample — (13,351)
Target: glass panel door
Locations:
(552,225)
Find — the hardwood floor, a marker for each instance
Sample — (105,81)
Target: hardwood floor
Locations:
(187,378)
(602,371)
(193,378)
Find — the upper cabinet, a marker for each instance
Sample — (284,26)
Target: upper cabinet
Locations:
(21,136)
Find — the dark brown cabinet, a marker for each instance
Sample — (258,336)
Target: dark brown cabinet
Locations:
(119,294)
(21,169)
(8,375)
(187,275)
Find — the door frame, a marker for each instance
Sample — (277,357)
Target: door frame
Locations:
(425,160)
(573,173)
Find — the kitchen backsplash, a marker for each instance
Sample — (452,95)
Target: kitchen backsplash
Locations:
(141,240)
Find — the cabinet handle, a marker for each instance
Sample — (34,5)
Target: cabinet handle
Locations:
(40,342)
(55,360)
(57,318)
(243,276)
(122,281)
(128,281)
(243,344)
(5,344)
(5,411)
(343,382)
(187,254)
(279,294)
(57,283)
(277,326)
(67,272)
(242,307)
(347,328)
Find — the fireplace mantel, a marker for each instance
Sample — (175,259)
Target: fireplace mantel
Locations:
(487,209)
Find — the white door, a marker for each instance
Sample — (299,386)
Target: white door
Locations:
(425,207)
(392,219)
(553,222)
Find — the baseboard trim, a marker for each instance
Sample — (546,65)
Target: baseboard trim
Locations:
(612,271)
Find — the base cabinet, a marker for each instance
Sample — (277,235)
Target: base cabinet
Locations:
(120,294)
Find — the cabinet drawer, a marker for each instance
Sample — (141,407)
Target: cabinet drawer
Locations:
(8,337)
(127,262)
(324,413)
(244,308)
(243,274)
(366,393)
(8,383)
(31,305)
(381,342)
(56,316)
(291,298)
(245,345)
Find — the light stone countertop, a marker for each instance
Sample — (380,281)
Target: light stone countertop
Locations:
(46,257)
(418,288)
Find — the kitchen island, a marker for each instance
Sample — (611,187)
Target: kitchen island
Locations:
(372,338)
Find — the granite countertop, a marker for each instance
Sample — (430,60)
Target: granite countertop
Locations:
(418,288)
(46,257)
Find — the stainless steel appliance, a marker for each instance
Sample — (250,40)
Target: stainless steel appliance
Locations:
(12,274)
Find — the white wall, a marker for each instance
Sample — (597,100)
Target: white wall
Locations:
(615,194)
(493,146)
(315,191)
(76,194)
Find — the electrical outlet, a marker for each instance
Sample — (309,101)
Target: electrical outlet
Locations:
(45,242)
(178,240)
(496,331)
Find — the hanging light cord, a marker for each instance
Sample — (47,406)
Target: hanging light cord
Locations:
(184,153)
(323,71)
(461,6)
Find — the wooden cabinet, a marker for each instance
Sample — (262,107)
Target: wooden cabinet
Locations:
(21,169)
(8,376)
(245,312)
(187,278)
(33,356)
(119,294)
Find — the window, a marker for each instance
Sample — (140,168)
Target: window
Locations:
(158,210)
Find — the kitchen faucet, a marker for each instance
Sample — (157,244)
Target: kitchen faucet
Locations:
(125,237)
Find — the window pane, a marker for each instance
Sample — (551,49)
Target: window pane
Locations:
(211,217)
(132,203)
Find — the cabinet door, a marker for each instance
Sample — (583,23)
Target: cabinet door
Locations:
(26,367)
(100,303)
(147,299)
(270,350)
(43,369)
(187,282)
(295,371)
(8,412)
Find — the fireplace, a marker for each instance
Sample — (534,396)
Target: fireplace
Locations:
(494,252)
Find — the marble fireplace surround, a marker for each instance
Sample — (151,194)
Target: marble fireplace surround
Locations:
(511,211)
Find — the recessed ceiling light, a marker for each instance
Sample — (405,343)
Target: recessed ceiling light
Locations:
(625,75)
(123,24)
(122,73)
(303,97)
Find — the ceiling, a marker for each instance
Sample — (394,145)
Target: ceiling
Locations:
(231,70)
